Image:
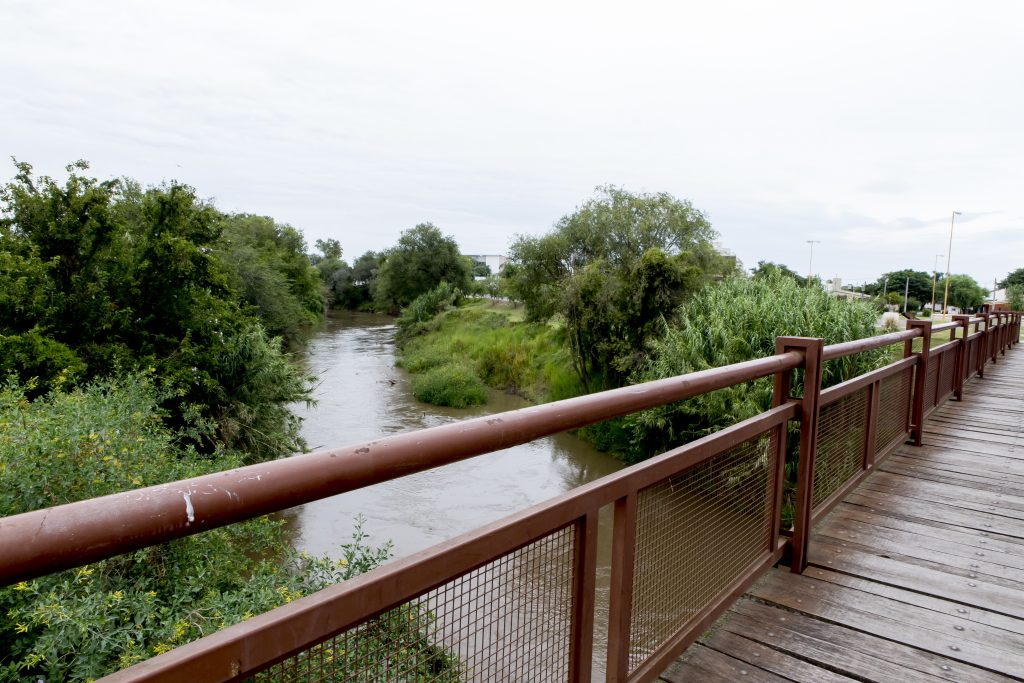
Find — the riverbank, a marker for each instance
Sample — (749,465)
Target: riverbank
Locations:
(486,343)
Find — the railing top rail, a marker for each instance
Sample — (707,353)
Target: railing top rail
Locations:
(52,539)
(272,635)
(944,326)
(833,351)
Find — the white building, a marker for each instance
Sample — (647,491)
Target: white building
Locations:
(493,261)
(835,288)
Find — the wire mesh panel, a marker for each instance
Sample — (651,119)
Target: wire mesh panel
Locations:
(969,363)
(842,431)
(947,374)
(931,383)
(893,409)
(696,533)
(509,620)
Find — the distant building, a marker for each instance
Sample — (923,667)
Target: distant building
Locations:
(998,301)
(835,288)
(493,261)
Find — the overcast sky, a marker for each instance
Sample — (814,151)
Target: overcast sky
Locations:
(862,126)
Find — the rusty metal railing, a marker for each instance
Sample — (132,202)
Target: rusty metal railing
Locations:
(514,600)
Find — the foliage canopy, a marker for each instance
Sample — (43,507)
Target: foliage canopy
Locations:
(611,270)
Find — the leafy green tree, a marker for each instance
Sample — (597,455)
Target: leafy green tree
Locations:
(330,248)
(267,264)
(964,292)
(612,269)
(896,281)
(1014,278)
(422,259)
(334,272)
(353,287)
(765,269)
(481,270)
(1015,297)
(141,283)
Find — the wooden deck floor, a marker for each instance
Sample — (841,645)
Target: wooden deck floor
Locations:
(917,576)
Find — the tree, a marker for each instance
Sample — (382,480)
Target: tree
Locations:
(331,248)
(143,284)
(1015,297)
(964,292)
(612,269)
(1014,278)
(422,259)
(767,268)
(269,267)
(896,281)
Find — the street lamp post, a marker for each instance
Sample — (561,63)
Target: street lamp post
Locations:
(810,263)
(935,275)
(945,297)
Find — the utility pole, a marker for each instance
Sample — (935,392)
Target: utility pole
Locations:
(945,298)
(810,263)
(906,295)
(885,290)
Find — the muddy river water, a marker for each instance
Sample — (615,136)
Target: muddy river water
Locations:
(361,395)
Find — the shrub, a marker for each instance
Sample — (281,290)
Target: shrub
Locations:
(84,623)
(731,322)
(455,385)
(424,307)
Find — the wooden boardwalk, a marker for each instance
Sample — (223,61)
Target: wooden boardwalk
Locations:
(917,576)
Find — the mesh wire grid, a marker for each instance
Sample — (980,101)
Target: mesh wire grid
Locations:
(931,383)
(893,408)
(947,374)
(509,620)
(696,533)
(842,430)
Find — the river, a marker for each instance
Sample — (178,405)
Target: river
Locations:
(361,395)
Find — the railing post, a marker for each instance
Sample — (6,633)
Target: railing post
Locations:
(812,349)
(581,645)
(962,361)
(983,342)
(620,590)
(782,390)
(920,376)
(1004,329)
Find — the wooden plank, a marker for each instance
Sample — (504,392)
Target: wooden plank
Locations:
(855,608)
(770,659)
(886,540)
(938,512)
(969,612)
(850,652)
(968,591)
(901,486)
(940,530)
(703,663)
(960,475)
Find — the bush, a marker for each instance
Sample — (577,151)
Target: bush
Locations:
(426,306)
(455,385)
(84,623)
(731,322)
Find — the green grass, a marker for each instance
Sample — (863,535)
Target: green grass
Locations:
(491,340)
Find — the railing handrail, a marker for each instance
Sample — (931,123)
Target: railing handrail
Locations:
(70,535)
